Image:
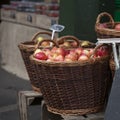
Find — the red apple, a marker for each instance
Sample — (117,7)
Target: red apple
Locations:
(53,50)
(49,60)
(71,57)
(52,56)
(103,25)
(72,51)
(79,51)
(101,52)
(86,52)
(117,27)
(83,57)
(45,44)
(67,52)
(91,50)
(60,51)
(59,58)
(74,44)
(41,56)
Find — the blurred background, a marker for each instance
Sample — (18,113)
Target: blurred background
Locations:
(21,19)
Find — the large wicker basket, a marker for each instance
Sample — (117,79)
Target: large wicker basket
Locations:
(27,48)
(106,29)
(76,87)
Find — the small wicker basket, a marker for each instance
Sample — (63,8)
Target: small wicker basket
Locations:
(74,87)
(106,29)
(27,48)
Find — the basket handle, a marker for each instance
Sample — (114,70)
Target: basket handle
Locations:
(64,38)
(39,33)
(38,45)
(102,15)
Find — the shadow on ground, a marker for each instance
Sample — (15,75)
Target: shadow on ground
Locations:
(10,85)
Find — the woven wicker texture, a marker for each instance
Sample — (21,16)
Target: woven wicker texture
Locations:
(76,87)
(27,48)
(106,29)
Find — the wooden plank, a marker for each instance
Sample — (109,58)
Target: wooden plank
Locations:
(24,100)
(94,116)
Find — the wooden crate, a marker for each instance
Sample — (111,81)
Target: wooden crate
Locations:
(27,97)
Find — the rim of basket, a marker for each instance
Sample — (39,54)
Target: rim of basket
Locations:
(64,63)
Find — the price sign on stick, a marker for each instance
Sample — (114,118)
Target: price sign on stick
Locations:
(56,28)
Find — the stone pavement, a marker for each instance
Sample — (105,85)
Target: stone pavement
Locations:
(10,84)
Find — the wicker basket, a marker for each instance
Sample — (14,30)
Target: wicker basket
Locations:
(106,29)
(76,87)
(27,48)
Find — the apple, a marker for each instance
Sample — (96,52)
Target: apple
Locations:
(53,50)
(103,25)
(49,60)
(71,57)
(102,52)
(41,56)
(74,44)
(59,58)
(83,57)
(117,27)
(91,50)
(47,51)
(85,43)
(53,56)
(45,44)
(78,51)
(39,39)
(86,52)
(60,51)
(37,51)
(66,44)
(72,51)
(67,52)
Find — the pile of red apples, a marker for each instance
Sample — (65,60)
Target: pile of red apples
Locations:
(116,26)
(69,55)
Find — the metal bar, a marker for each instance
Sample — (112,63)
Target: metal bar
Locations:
(109,40)
(115,55)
